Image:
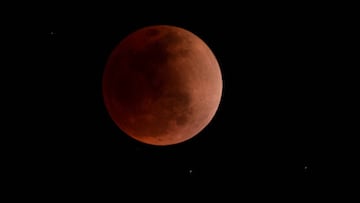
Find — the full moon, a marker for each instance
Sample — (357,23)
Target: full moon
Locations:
(162,85)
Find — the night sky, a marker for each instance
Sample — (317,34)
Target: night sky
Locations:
(263,136)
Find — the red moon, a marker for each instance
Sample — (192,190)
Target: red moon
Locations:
(162,85)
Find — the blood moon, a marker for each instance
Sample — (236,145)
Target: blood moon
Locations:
(162,85)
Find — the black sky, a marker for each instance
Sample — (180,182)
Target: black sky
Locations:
(269,122)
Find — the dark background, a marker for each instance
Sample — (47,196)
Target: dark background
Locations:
(269,125)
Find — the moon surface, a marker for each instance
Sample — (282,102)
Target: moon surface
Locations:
(162,85)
